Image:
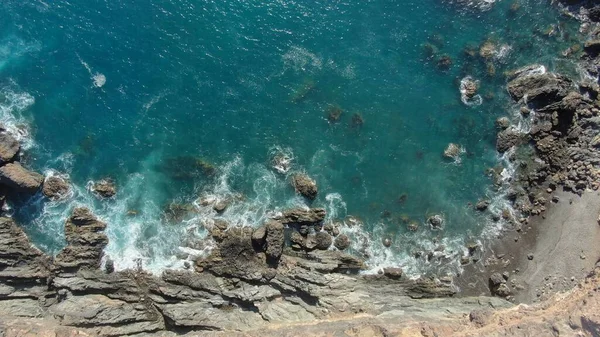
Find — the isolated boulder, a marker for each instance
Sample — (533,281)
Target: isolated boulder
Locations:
(55,188)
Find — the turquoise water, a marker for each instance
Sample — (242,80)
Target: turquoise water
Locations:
(139,91)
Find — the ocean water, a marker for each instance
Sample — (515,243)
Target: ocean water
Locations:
(181,99)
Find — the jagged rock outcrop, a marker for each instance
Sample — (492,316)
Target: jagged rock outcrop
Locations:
(105,188)
(305,186)
(55,188)
(85,241)
(19,179)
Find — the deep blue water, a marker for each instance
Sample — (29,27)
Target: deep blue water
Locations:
(232,82)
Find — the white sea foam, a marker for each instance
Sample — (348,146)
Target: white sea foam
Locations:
(12,106)
(300,59)
(98,79)
(470,101)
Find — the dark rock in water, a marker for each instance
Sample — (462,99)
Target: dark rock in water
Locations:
(323,240)
(221,205)
(300,216)
(444,62)
(333,228)
(105,188)
(436,221)
(55,188)
(393,273)
(9,147)
(507,139)
(482,205)
(592,47)
(503,123)
(274,240)
(357,120)
(387,242)
(15,176)
(85,241)
(334,113)
(342,242)
(305,186)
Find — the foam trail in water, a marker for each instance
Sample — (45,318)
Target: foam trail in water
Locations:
(98,79)
(12,106)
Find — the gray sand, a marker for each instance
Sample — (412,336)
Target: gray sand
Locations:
(564,242)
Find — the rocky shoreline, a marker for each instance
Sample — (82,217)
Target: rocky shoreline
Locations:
(282,277)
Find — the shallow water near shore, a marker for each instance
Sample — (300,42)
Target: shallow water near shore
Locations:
(180,99)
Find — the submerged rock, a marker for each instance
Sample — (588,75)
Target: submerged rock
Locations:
(305,186)
(15,176)
(453,151)
(55,188)
(9,147)
(334,113)
(105,188)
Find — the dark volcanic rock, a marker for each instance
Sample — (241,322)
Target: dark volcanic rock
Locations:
(305,186)
(55,188)
(9,147)
(20,179)
(85,241)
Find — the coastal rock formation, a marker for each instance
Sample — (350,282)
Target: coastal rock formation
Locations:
(236,288)
(305,186)
(9,147)
(105,188)
(18,178)
(85,241)
(55,188)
